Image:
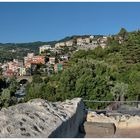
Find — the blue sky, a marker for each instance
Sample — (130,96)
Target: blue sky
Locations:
(28,22)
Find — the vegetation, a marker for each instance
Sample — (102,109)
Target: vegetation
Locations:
(10,51)
(112,73)
(7,90)
(100,74)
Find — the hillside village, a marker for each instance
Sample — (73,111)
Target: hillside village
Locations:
(53,57)
(70,66)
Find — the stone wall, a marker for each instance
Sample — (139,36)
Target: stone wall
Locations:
(40,118)
(121,121)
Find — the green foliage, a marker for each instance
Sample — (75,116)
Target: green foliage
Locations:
(6,99)
(33,91)
(100,74)
(37,79)
(119,91)
(123,32)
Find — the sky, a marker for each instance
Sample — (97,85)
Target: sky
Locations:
(47,21)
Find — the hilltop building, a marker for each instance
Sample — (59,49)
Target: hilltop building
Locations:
(44,48)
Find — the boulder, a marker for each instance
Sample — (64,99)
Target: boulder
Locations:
(41,118)
(99,130)
(92,117)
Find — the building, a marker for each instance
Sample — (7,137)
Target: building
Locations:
(82,41)
(28,64)
(22,71)
(91,37)
(8,73)
(28,59)
(79,41)
(30,55)
(20,63)
(69,43)
(94,42)
(86,40)
(60,44)
(25,60)
(44,48)
(31,59)
(13,66)
(103,45)
(38,60)
(15,60)
(102,39)
(4,66)
(57,45)
(51,60)
(64,57)
(58,67)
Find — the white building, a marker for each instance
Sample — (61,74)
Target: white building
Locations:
(83,41)
(91,37)
(103,45)
(60,44)
(30,55)
(87,40)
(64,57)
(80,41)
(51,60)
(69,43)
(43,48)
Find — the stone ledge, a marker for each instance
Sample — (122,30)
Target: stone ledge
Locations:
(40,118)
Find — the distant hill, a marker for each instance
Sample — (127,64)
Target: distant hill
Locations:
(9,51)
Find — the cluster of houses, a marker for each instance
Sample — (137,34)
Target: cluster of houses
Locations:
(21,67)
(28,64)
(89,42)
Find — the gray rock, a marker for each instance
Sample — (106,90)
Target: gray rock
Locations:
(99,130)
(40,118)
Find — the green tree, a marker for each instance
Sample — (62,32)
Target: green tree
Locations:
(37,79)
(119,91)
(5,97)
(123,33)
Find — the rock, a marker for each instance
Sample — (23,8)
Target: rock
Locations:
(117,118)
(102,115)
(121,121)
(40,118)
(99,130)
(122,125)
(100,118)
(91,115)
(123,118)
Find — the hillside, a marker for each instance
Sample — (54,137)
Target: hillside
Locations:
(111,73)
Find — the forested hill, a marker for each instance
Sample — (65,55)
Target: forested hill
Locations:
(112,73)
(9,51)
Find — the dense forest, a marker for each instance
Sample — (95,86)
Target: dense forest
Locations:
(112,73)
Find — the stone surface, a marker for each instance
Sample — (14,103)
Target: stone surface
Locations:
(99,130)
(40,118)
(93,117)
(124,121)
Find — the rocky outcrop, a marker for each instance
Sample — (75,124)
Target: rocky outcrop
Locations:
(99,130)
(123,121)
(40,118)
